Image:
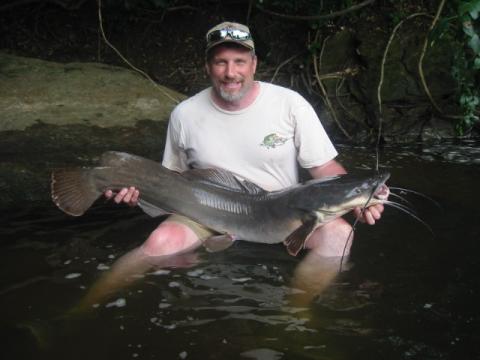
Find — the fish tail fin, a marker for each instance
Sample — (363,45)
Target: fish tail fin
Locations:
(72,190)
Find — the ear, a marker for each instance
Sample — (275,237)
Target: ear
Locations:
(207,68)
(254,63)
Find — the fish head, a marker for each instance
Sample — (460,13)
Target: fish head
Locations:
(337,195)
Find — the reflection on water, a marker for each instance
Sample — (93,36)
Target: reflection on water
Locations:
(406,295)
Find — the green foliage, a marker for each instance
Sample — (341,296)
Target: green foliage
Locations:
(458,27)
(468,94)
(467,63)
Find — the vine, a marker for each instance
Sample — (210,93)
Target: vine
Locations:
(141,72)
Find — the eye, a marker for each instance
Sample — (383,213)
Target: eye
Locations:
(354,192)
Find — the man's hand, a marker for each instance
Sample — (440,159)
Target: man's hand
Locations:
(370,215)
(128,196)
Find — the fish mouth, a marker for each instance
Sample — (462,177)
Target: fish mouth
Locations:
(382,191)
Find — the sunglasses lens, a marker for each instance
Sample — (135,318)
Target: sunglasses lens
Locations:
(239,35)
(217,35)
(231,33)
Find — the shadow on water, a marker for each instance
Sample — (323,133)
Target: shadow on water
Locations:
(406,295)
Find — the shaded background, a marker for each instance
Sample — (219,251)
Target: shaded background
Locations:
(65,97)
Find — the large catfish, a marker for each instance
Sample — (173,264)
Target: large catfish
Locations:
(215,198)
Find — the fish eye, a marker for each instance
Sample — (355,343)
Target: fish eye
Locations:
(355,192)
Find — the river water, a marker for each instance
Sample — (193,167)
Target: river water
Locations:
(76,287)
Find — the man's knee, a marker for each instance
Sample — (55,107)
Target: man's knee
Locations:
(170,238)
(332,239)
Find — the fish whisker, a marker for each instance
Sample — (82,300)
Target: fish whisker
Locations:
(401,198)
(418,194)
(352,230)
(398,205)
(408,212)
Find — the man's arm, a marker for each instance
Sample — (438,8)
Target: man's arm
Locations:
(371,214)
(330,168)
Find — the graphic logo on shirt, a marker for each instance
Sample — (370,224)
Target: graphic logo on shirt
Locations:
(273,140)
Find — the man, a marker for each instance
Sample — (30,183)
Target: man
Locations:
(256,130)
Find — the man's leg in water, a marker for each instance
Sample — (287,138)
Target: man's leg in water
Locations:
(171,243)
(175,235)
(327,245)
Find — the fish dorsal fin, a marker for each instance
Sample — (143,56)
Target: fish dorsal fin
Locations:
(252,188)
(223,179)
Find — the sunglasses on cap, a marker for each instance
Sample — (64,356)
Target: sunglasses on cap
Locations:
(233,34)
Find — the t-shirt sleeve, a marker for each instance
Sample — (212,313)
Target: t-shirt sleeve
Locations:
(174,155)
(312,142)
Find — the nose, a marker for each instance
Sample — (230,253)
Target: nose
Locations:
(230,70)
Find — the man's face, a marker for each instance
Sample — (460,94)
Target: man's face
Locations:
(231,72)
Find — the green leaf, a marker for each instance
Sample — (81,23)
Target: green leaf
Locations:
(468,28)
(472,7)
(474,44)
(476,63)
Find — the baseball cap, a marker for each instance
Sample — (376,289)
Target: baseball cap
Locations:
(229,32)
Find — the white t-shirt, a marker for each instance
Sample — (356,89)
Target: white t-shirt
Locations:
(262,143)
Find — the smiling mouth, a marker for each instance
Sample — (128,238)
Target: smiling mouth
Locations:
(232,85)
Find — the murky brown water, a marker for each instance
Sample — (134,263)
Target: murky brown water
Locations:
(408,294)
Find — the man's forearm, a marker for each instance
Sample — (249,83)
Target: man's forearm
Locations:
(330,168)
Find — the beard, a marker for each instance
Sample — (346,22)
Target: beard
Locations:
(233,96)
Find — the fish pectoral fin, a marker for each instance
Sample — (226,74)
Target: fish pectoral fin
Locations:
(218,242)
(296,240)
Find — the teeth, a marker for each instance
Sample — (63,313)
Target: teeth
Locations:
(231,85)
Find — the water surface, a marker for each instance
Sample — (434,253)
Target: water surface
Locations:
(406,294)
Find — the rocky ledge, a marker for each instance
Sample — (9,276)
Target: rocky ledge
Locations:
(59,115)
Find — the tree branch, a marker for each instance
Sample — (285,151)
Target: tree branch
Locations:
(316,17)
(384,58)
(67,4)
(317,63)
(141,72)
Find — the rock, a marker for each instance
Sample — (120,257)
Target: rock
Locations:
(33,90)
(60,115)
